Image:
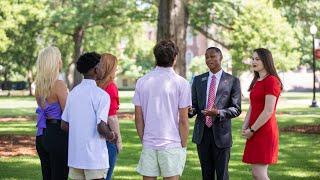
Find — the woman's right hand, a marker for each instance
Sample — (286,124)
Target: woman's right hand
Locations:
(119,146)
(247,133)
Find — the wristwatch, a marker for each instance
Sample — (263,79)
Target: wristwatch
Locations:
(251,130)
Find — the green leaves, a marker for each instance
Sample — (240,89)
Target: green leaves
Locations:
(301,14)
(261,25)
(23,25)
(244,25)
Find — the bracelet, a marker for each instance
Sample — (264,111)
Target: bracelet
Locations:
(251,130)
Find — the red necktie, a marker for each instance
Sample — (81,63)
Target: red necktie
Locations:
(211,99)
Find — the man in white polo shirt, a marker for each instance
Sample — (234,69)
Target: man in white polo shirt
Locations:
(85,116)
(161,102)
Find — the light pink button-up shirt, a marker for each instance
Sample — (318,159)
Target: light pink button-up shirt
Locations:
(161,93)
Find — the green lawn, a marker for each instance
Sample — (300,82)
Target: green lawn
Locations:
(299,156)
(18,106)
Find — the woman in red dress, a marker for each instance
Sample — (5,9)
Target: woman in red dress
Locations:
(260,125)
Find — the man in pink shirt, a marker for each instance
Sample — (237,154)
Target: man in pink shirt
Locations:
(161,102)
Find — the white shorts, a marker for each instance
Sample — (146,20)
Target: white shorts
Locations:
(165,163)
(75,173)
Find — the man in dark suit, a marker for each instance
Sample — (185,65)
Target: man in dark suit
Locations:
(216,99)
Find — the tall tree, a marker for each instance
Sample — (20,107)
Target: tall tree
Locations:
(301,14)
(243,25)
(9,25)
(20,56)
(75,18)
(172,24)
(7,22)
(259,24)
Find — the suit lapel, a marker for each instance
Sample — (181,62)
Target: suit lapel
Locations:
(203,89)
(220,87)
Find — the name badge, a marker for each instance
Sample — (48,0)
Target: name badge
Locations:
(204,78)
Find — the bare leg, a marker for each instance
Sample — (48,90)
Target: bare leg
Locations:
(149,178)
(172,178)
(260,171)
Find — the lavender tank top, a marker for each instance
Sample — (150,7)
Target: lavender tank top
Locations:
(52,110)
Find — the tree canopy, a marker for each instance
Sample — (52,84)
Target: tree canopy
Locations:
(118,27)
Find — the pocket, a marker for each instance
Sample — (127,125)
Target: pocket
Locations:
(222,130)
(183,157)
(184,153)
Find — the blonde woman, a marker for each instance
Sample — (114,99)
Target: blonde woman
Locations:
(51,95)
(108,65)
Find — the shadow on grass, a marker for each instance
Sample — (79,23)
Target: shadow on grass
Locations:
(299,158)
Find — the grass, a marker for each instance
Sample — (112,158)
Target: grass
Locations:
(299,155)
(17,106)
(18,128)
(21,167)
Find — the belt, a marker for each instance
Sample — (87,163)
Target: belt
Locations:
(53,121)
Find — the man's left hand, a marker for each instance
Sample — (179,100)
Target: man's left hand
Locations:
(211,112)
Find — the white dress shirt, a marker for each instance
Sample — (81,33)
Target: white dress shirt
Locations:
(218,77)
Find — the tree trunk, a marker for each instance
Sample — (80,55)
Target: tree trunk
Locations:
(7,84)
(164,11)
(172,24)
(74,77)
(30,80)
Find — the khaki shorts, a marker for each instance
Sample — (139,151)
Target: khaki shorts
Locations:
(165,163)
(75,173)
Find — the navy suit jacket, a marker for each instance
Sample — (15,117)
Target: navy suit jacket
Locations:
(228,101)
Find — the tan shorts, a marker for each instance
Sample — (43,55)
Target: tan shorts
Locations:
(75,173)
(165,163)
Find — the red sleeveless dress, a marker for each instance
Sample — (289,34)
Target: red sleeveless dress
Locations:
(262,147)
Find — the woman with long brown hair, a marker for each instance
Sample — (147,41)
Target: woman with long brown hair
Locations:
(260,125)
(108,65)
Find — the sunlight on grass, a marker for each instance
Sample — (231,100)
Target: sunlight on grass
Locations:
(18,128)
(25,106)
(12,112)
(299,155)
(302,174)
(17,102)
(21,167)
(292,156)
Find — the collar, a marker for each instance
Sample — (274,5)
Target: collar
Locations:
(167,69)
(89,82)
(217,75)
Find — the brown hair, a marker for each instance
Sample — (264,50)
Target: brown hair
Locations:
(108,65)
(267,60)
(165,52)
